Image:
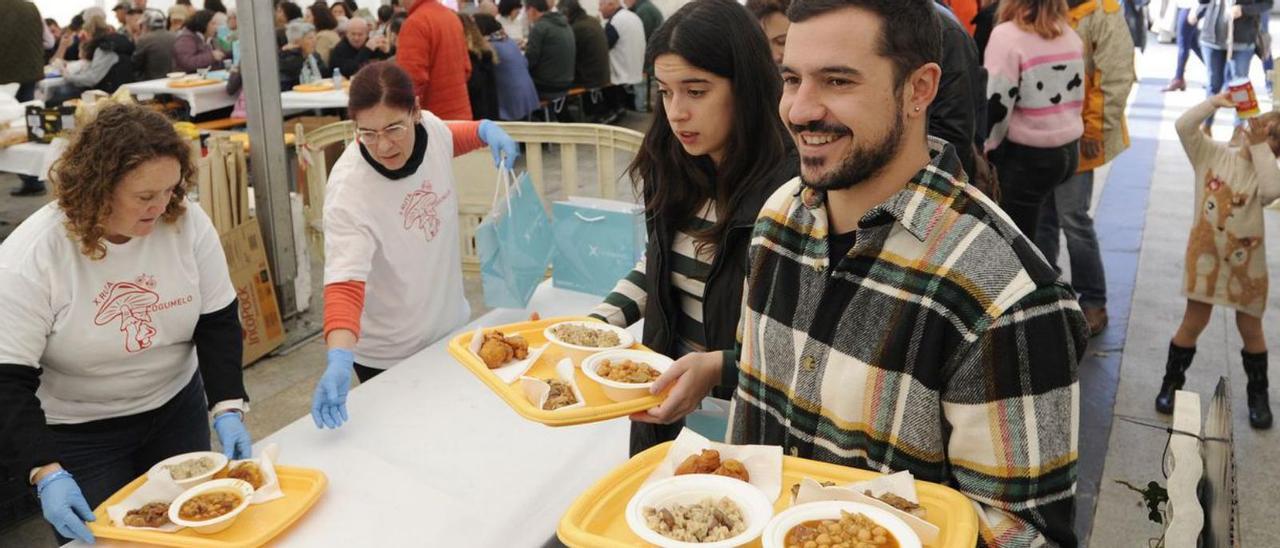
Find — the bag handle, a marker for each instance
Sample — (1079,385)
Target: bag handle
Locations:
(506,179)
(586,219)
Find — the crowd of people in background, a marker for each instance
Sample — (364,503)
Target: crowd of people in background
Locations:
(467,59)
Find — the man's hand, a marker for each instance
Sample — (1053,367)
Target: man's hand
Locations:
(376,43)
(1191,18)
(1237,12)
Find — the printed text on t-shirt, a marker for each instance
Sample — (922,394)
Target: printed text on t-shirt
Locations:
(130,305)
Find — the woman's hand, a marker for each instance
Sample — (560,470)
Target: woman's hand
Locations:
(500,144)
(690,378)
(64,506)
(235,440)
(329,403)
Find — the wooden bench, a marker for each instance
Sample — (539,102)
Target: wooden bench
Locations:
(222,123)
(558,103)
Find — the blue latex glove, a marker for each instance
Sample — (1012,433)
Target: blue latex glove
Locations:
(64,506)
(499,144)
(329,405)
(235,440)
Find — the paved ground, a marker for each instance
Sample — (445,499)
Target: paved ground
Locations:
(1144,212)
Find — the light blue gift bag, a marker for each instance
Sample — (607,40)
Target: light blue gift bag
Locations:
(514,243)
(597,242)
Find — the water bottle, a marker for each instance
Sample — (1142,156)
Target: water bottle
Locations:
(337,79)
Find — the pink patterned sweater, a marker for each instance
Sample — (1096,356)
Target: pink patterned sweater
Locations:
(1035,87)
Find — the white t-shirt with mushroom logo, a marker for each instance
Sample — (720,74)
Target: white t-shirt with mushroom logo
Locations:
(401,238)
(113,335)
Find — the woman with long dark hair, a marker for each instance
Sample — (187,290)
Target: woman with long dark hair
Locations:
(482,86)
(391,222)
(714,154)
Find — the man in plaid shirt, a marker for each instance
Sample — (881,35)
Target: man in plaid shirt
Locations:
(894,318)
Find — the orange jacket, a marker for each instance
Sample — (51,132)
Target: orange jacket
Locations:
(965,11)
(434,53)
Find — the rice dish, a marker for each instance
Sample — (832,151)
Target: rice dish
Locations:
(580,335)
(706,521)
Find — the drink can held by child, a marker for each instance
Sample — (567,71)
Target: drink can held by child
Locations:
(1242,94)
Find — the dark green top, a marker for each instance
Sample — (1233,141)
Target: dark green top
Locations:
(21,42)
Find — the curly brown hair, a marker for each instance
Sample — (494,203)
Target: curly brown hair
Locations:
(85,176)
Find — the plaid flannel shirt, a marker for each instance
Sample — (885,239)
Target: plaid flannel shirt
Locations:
(942,344)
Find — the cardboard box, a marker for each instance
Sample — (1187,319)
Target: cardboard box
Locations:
(260,320)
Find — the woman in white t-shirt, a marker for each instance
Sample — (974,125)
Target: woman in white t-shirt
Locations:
(393,262)
(121,334)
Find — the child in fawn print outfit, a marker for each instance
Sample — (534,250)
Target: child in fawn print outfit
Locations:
(1225,261)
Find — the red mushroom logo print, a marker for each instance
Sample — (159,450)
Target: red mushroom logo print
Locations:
(129,303)
(419,210)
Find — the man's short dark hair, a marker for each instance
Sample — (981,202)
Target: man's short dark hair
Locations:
(385,12)
(397,22)
(540,5)
(910,35)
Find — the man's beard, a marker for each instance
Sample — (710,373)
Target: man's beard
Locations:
(863,163)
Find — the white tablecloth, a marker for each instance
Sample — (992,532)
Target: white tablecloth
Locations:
(431,457)
(202,99)
(294,100)
(31,158)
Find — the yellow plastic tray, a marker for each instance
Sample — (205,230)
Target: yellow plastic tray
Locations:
(598,517)
(316,87)
(256,526)
(180,84)
(599,407)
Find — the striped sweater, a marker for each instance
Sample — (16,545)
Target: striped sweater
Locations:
(1035,87)
(690,267)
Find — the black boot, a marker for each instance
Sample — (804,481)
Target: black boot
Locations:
(1174,375)
(1255,368)
(31,186)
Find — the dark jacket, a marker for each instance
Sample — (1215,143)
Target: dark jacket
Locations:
(650,15)
(21,42)
(954,114)
(983,24)
(1214,18)
(348,59)
(153,56)
(551,52)
(722,299)
(122,71)
(482,87)
(291,63)
(591,53)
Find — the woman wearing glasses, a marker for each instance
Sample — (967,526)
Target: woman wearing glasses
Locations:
(393,267)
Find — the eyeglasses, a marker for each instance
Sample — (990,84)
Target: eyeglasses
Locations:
(394,132)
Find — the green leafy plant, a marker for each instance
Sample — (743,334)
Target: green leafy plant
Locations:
(1156,499)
